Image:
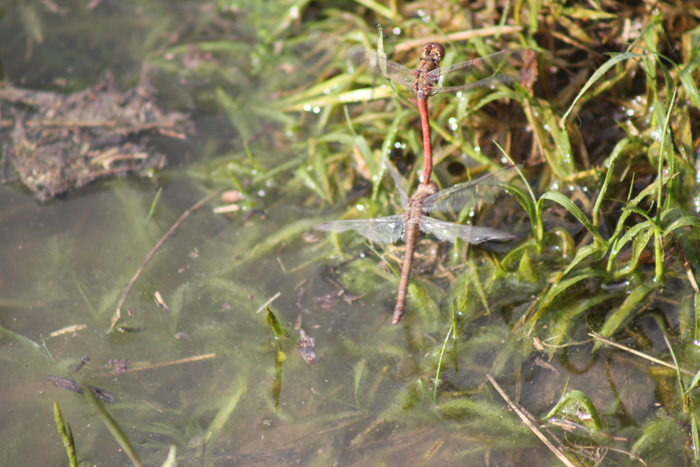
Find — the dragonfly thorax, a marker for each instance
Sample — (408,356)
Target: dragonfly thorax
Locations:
(421,193)
(429,61)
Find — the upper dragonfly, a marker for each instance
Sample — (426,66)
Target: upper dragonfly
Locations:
(428,78)
(408,225)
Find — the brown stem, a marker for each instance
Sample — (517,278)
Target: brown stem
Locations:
(122,299)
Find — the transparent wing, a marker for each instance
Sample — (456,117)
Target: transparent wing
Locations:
(505,67)
(449,232)
(380,230)
(485,189)
(381,65)
(397,181)
(521,77)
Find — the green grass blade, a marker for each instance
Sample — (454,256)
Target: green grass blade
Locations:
(555,291)
(661,434)
(619,147)
(581,254)
(679,378)
(274,323)
(689,85)
(569,205)
(640,235)
(282,235)
(579,398)
(31,21)
(112,426)
(82,293)
(224,413)
(683,221)
(565,316)
(66,435)
(648,192)
(632,233)
(27,342)
(528,203)
(422,302)
(348,97)
(625,312)
(387,147)
(614,60)
(439,365)
(358,375)
(154,204)
(381,10)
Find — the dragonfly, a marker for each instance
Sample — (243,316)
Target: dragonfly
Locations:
(416,219)
(428,78)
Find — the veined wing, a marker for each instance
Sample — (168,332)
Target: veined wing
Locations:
(397,181)
(485,189)
(380,64)
(449,232)
(521,77)
(505,67)
(380,230)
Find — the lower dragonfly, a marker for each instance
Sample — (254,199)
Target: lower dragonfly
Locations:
(416,218)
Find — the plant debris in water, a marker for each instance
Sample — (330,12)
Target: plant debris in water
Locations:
(70,385)
(119,364)
(81,363)
(307,348)
(61,143)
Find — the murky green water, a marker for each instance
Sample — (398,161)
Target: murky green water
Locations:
(209,376)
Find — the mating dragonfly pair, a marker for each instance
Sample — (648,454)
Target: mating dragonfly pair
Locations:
(425,81)
(416,219)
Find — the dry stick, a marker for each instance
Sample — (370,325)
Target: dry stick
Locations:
(524,417)
(458,36)
(638,353)
(151,366)
(274,297)
(160,243)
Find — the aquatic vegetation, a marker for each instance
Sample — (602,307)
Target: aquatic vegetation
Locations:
(269,342)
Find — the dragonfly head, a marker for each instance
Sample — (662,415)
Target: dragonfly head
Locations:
(433,51)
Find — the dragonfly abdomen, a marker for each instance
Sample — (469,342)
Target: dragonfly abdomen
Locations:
(412,232)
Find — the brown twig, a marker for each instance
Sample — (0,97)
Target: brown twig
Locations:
(459,36)
(152,366)
(688,269)
(520,412)
(122,299)
(274,297)
(638,353)
(71,123)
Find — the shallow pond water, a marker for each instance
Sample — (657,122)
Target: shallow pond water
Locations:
(211,377)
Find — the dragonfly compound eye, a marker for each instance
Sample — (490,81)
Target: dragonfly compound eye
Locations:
(434,51)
